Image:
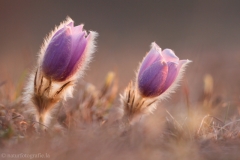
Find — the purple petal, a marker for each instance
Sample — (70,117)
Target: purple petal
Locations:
(57,56)
(151,81)
(169,55)
(153,55)
(173,71)
(171,76)
(70,24)
(79,43)
(77,35)
(59,31)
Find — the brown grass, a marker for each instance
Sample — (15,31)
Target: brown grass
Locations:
(89,126)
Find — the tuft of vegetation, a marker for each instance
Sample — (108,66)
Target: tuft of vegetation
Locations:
(90,126)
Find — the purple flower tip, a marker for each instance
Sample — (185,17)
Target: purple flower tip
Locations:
(158,71)
(65,52)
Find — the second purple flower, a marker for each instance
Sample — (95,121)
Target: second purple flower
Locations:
(159,71)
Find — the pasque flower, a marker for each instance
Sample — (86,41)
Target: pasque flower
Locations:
(65,52)
(156,78)
(159,71)
(63,58)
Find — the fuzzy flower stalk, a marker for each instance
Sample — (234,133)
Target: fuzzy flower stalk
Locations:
(63,57)
(158,76)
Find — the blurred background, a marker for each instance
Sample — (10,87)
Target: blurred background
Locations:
(206,32)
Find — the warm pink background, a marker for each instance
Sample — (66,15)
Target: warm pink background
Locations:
(206,32)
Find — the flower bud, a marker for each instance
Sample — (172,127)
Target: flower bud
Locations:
(159,71)
(65,52)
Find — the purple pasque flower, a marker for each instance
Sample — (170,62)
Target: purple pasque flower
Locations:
(159,71)
(65,52)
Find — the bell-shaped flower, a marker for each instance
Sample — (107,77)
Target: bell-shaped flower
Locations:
(159,72)
(64,55)
(65,52)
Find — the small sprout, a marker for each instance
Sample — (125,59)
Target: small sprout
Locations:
(207,97)
(208,84)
